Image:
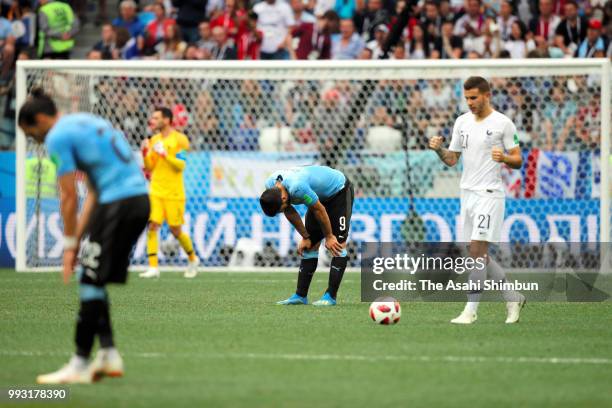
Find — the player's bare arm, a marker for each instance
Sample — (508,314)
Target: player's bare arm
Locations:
(513,158)
(69,206)
(449,158)
(88,206)
(294,218)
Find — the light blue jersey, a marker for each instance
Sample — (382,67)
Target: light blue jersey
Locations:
(308,184)
(82,141)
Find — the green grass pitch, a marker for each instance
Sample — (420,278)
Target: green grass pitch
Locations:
(220,341)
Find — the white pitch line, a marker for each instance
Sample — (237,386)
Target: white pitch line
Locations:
(346,357)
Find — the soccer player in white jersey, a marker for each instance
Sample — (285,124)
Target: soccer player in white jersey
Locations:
(487,139)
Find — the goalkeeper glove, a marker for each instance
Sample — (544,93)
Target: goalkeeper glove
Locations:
(160,149)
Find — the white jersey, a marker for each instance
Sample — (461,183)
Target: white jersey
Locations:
(475,141)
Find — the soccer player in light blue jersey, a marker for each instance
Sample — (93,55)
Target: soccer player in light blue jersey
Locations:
(329,196)
(113,216)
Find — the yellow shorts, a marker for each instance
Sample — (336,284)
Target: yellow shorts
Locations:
(171,211)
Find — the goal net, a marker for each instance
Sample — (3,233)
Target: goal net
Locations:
(370,119)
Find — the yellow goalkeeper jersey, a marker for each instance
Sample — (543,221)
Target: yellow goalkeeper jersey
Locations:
(167,172)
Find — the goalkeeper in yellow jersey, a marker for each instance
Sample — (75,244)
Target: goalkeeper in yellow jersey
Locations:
(164,157)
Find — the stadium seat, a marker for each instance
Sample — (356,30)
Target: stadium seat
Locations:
(275,139)
(383,139)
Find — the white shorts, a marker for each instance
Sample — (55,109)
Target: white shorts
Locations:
(483,215)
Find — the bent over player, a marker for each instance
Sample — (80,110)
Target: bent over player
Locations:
(487,139)
(114,215)
(165,157)
(329,195)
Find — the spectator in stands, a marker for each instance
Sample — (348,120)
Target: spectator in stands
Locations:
(125,46)
(192,52)
(57,26)
(107,42)
(366,20)
(206,42)
(559,118)
(224,48)
(518,45)
(446,12)
(23,21)
(94,54)
(314,39)
(546,23)
(376,45)
(204,128)
(399,51)
(349,44)
(593,45)
(154,31)
(172,46)
(7,49)
(233,18)
(525,10)
(249,42)
(523,112)
(449,45)
(128,18)
(470,27)
(345,8)
(505,19)
(190,13)
(418,46)
(431,21)
(300,15)
(572,30)
(275,20)
(588,121)
(320,7)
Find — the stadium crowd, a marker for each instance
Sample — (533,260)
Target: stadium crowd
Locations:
(324,29)
(357,29)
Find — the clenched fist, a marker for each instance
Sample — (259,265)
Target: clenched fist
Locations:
(435,143)
(497,154)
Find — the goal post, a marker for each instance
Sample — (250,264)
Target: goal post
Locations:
(370,119)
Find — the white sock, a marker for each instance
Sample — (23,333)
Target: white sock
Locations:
(472,306)
(80,363)
(110,352)
(497,273)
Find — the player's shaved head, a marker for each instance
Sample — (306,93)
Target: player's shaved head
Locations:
(271,201)
(477,82)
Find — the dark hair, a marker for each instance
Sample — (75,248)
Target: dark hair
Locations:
(477,82)
(572,2)
(165,112)
(37,102)
(271,201)
(523,29)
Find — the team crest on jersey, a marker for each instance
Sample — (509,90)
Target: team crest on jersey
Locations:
(493,138)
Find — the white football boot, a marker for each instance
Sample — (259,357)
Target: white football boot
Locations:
(514,310)
(192,268)
(108,362)
(150,273)
(466,317)
(75,372)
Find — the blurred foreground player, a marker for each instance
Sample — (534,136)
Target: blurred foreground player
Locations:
(165,158)
(487,139)
(114,215)
(329,195)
